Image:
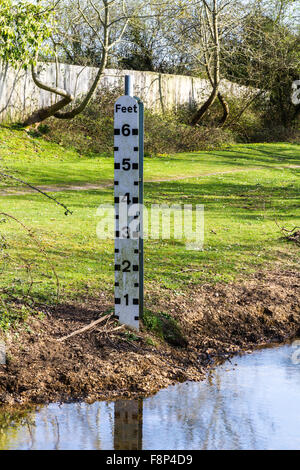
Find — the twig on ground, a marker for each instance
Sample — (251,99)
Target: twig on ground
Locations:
(283,229)
(294,233)
(5,175)
(85,328)
(31,234)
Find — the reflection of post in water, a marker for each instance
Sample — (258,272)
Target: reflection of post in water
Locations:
(128,431)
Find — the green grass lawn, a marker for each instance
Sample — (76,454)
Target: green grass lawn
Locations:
(45,163)
(241,207)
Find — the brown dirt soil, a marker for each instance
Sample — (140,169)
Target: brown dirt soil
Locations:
(217,321)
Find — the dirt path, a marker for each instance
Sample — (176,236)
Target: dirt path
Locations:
(9,191)
(215,321)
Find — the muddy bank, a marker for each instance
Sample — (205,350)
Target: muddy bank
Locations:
(105,363)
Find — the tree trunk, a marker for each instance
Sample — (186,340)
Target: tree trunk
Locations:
(74,112)
(239,115)
(225,107)
(214,77)
(198,115)
(41,114)
(55,109)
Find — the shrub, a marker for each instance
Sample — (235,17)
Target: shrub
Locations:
(92,131)
(165,327)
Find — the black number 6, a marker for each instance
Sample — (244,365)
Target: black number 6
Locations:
(126,130)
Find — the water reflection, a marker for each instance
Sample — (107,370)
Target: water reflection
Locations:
(253,405)
(128,425)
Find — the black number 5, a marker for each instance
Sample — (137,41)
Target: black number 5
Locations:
(126,164)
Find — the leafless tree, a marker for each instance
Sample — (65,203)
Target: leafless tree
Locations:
(106,21)
(206,26)
(201,33)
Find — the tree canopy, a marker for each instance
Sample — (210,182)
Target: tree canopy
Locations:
(24,28)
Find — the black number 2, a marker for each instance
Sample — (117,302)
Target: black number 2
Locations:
(126,265)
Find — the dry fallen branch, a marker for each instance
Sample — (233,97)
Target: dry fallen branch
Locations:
(34,238)
(294,237)
(293,234)
(86,328)
(115,329)
(5,175)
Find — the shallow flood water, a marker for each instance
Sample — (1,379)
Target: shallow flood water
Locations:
(251,403)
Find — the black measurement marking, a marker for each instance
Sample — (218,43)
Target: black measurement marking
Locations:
(127,161)
(126,198)
(126,130)
(127,268)
(126,164)
(125,232)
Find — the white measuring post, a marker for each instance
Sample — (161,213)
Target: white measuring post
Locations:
(128,184)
